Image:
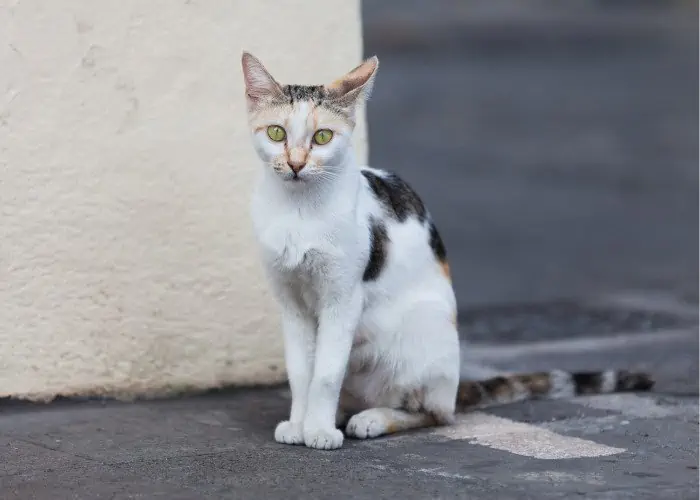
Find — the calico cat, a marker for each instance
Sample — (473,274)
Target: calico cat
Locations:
(360,273)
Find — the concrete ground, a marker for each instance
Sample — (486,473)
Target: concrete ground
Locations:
(219,445)
(556,145)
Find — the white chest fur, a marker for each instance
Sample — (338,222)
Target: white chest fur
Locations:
(300,250)
(313,249)
(290,229)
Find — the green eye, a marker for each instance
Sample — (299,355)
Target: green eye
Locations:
(323,136)
(276,133)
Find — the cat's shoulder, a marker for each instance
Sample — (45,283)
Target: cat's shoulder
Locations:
(398,198)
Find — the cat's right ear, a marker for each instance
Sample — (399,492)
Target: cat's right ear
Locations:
(354,87)
(260,87)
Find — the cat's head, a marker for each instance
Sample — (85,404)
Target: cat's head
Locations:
(303,133)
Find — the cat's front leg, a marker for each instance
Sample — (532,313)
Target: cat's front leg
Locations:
(299,339)
(338,321)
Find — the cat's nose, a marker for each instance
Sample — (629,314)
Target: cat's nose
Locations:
(296,166)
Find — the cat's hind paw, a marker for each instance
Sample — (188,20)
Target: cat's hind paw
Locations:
(287,432)
(366,425)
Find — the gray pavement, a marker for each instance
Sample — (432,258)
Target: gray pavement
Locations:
(220,445)
(556,145)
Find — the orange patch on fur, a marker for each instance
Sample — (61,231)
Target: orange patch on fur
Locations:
(392,428)
(354,79)
(538,383)
(503,391)
(336,84)
(446,269)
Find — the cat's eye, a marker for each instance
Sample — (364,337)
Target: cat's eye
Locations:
(323,136)
(276,133)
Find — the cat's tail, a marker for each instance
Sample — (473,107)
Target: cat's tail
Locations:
(555,384)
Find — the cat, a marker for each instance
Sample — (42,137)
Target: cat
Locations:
(361,276)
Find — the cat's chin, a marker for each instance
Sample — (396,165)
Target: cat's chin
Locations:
(293,184)
(295,180)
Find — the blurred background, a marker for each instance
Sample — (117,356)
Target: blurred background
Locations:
(556,144)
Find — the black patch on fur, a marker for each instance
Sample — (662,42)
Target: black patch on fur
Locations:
(379,243)
(397,197)
(469,394)
(628,381)
(436,244)
(587,382)
(496,385)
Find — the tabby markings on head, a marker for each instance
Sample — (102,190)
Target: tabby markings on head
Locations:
(316,94)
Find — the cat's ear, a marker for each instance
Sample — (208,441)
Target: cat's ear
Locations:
(355,87)
(260,86)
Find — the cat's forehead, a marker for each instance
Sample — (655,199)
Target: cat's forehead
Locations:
(308,104)
(317,95)
(314,93)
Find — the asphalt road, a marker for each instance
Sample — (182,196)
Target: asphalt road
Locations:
(556,145)
(220,445)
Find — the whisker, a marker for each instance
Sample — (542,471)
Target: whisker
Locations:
(324,174)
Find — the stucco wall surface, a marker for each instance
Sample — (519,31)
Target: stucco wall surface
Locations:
(127,265)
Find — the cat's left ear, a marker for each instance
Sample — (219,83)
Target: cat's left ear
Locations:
(355,87)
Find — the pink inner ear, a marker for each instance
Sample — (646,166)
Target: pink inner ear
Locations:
(259,83)
(354,79)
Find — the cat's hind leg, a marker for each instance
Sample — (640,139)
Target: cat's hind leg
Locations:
(431,406)
(418,370)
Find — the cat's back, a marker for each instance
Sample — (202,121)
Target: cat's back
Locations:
(407,251)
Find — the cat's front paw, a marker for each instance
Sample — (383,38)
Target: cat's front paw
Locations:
(287,432)
(323,439)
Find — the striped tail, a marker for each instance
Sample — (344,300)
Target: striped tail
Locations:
(547,385)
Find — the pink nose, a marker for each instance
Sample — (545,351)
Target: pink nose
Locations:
(296,166)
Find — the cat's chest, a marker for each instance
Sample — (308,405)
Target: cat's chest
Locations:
(291,242)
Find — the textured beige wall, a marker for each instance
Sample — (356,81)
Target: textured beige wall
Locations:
(126,260)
